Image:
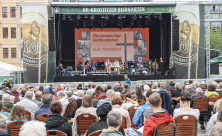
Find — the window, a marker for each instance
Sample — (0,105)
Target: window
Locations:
(13,13)
(13,32)
(5,53)
(5,32)
(4,12)
(214,8)
(220,16)
(20,11)
(214,16)
(13,52)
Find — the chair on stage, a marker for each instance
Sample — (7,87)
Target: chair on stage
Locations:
(13,128)
(28,115)
(96,133)
(42,117)
(166,129)
(186,125)
(55,133)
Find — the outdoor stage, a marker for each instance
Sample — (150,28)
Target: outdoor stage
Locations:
(103,78)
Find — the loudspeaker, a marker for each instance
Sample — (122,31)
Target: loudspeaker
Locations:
(175,35)
(51,35)
(115,73)
(75,73)
(89,74)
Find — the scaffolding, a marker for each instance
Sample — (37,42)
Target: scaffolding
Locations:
(208,42)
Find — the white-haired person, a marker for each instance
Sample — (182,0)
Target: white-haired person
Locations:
(216,129)
(69,96)
(80,93)
(109,96)
(155,87)
(146,88)
(63,101)
(90,93)
(3,125)
(33,128)
(87,107)
(6,102)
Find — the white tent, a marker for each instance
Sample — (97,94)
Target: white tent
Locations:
(7,69)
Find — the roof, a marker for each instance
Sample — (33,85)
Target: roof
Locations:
(9,67)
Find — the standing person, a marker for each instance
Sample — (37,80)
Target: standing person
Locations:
(127,80)
(116,63)
(98,64)
(108,63)
(87,66)
(162,66)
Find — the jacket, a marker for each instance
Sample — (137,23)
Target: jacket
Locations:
(64,103)
(108,132)
(118,89)
(14,93)
(176,93)
(57,122)
(169,87)
(137,115)
(155,120)
(45,108)
(166,100)
(211,93)
(8,105)
(127,81)
(38,102)
(190,90)
(194,96)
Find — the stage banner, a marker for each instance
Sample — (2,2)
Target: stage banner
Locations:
(186,58)
(35,42)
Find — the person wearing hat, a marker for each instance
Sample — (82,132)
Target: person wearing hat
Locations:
(102,112)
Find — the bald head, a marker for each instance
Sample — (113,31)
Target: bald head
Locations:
(117,85)
(38,95)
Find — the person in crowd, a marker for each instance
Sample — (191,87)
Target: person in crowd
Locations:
(137,116)
(6,102)
(7,84)
(109,96)
(45,108)
(17,113)
(199,93)
(22,96)
(129,102)
(219,90)
(127,80)
(149,83)
(63,100)
(216,131)
(33,128)
(28,104)
(177,91)
(141,84)
(38,98)
(114,121)
(103,91)
(90,93)
(172,84)
(94,87)
(155,88)
(80,93)
(10,82)
(69,96)
(79,87)
(168,86)
(98,90)
(139,92)
(12,99)
(117,94)
(189,89)
(14,92)
(51,90)
(146,88)
(87,107)
(3,90)
(185,108)
(117,87)
(135,99)
(109,87)
(117,102)
(1,108)
(159,117)
(211,90)
(41,88)
(3,125)
(125,89)
(214,117)
(55,121)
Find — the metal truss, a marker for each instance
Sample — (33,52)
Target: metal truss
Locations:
(18,37)
(208,42)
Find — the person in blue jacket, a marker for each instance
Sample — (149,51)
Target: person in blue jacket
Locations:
(127,80)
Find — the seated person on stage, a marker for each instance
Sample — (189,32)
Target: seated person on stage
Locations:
(61,69)
(79,66)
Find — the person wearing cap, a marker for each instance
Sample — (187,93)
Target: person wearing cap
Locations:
(102,112)
(38,99)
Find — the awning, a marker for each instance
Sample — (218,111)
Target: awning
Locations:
(216,60)
(102,8)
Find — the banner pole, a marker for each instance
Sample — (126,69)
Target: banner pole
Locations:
(39,61)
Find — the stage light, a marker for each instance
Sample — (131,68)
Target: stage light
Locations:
(160,17)
(120,17)
(124,16)
(140,16)
(106,17)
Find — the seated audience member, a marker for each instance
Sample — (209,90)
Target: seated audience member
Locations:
(38,98)
(155,88)
(129,102)
(199,93)
(117,94)
(98,90)
(33,128)
(146,88)
(63,100)
(110,94)
(189,89)
(14,92)
(166,99)
(103,91)
(117,102)
(159,117)
(28,104)
(135,99)
(41,88)
(45,108)
(1,109)
(3,90)
(137,116)
(3,125)
(94,87)
(17,113)
(216,131)
(219,90)
(114,121)
(80,93)
(168,86)
(69,96)
(177,91)
(172,83)
(211,90)
(51,90)
(125,89)
(55,121)
(90,93)
(102,112)
(86,108)
(22,96)
(117,87)
(109,87)
(6,102)
(139,92)
(12,99)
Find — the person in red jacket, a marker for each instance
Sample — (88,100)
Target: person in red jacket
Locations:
(159,117)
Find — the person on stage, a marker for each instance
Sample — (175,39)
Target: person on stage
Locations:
(127,80)
(98,64)
(108,64)
(162,67)
(61,69)
(116,63)
(87,66)
(79,66)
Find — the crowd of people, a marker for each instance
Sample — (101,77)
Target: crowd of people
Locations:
(157,107)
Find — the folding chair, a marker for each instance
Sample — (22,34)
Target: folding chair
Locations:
(55,133)
(186,125)
(213,97)
(6,110)
(95,96)
(13,128)
(124,125)
(42,117)
(96,133)
(141,102)
(132,111)
(28,115)
(102,97)
(166,129)
(142,118)
(201,103)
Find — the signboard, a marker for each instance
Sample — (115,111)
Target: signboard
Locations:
(113,10)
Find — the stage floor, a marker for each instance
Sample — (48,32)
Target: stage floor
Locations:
(103,78)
